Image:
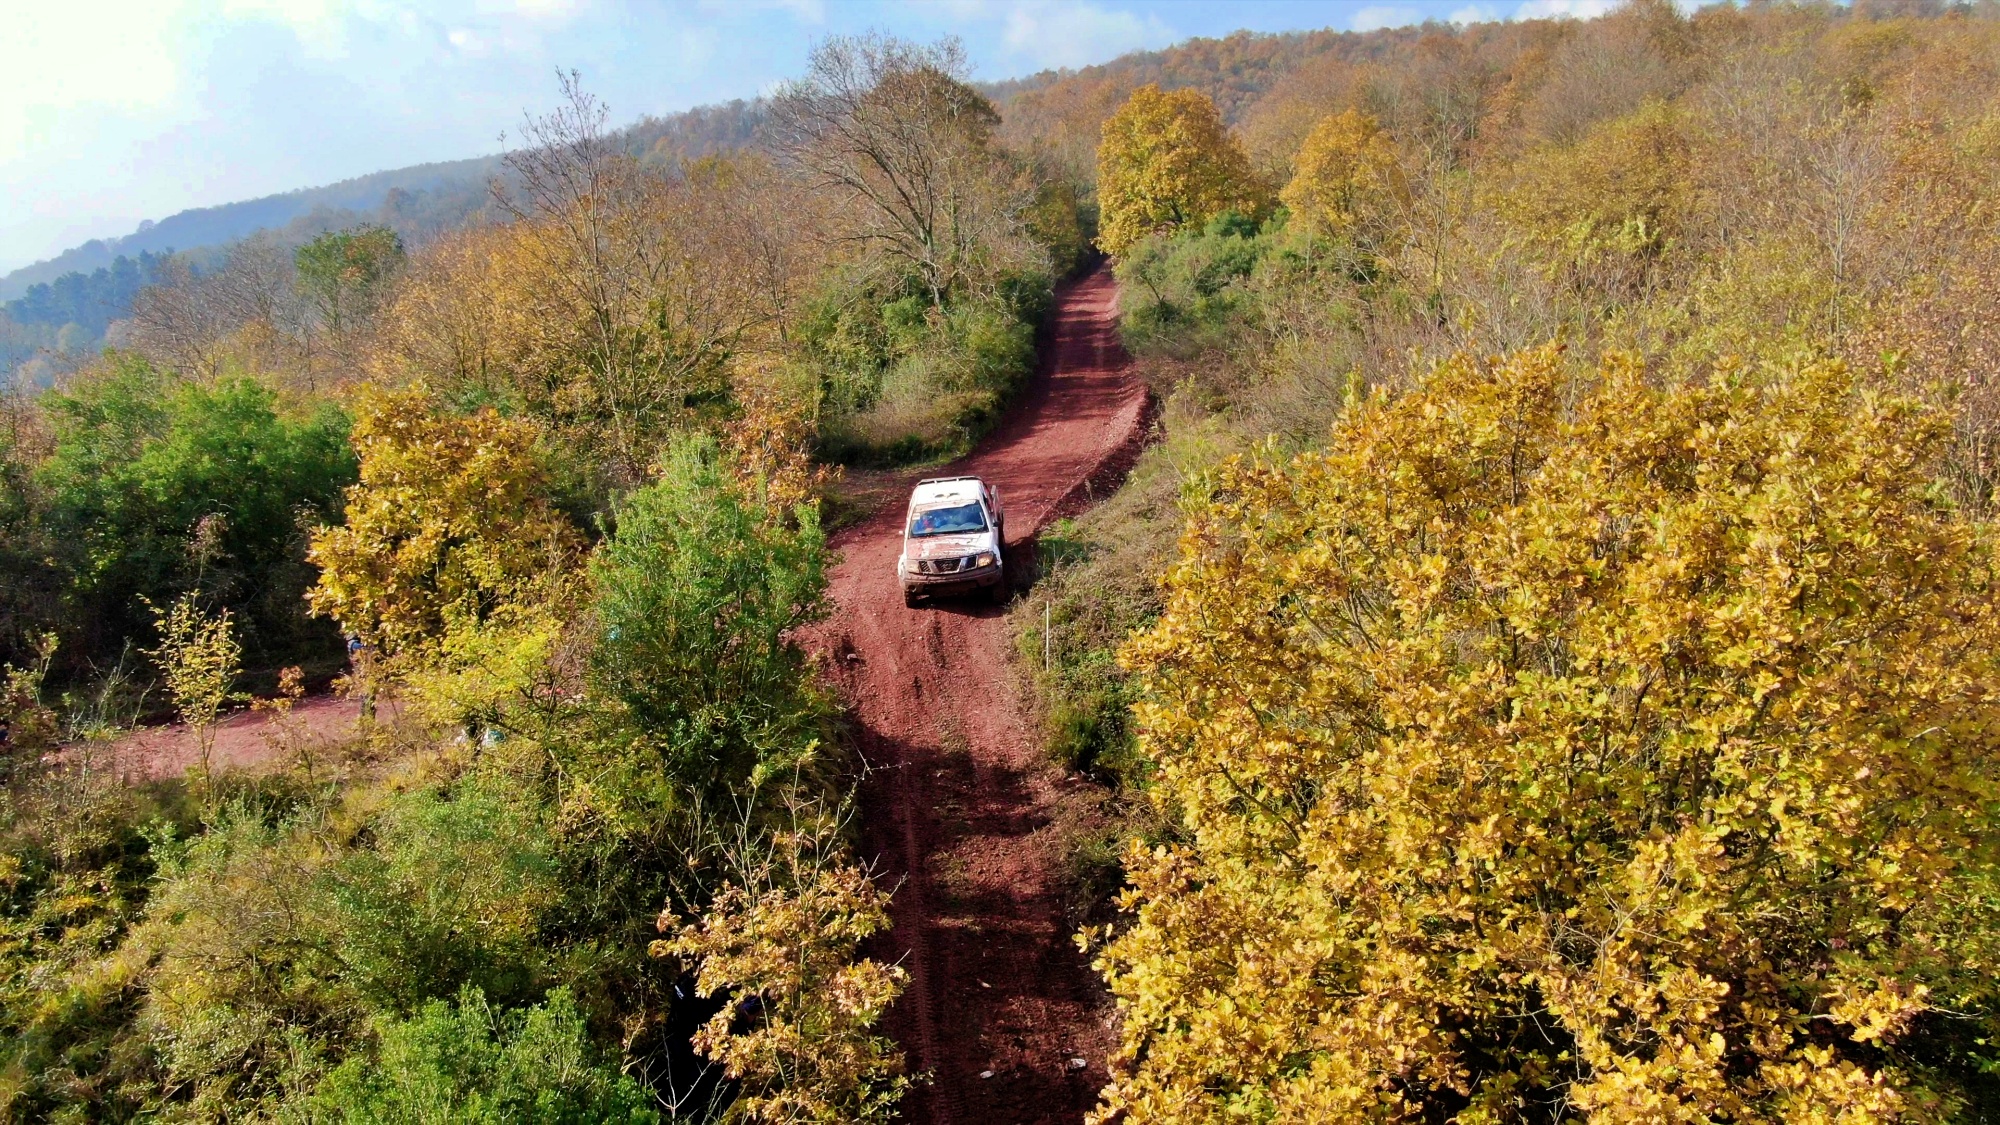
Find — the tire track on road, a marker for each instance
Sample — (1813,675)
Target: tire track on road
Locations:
(960,805)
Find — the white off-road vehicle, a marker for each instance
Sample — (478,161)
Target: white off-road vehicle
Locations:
(952,540)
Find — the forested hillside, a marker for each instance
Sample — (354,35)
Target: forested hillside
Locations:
(214,226)
(418,203)
(1057,113)
(1540,670)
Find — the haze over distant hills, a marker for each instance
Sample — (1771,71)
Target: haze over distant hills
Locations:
(417,200)
(212,226)
(59,308)
(1233,70)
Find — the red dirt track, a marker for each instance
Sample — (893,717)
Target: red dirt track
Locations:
(960,804)
(245,740)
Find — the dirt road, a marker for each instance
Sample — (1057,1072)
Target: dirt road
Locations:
(960,805)
(245,740)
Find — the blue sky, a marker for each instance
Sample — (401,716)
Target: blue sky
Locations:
(113,112)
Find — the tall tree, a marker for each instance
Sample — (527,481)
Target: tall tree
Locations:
(1557,748)
(1349,183)
(342,272)
(1166,161)
(187,320)
(449,522)
(896,130)
(626,286)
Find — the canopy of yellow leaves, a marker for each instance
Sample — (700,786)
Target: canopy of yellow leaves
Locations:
(450,522)
(1624,194)
(1349,182)
(783,948)
(1557,749)
(1166,161)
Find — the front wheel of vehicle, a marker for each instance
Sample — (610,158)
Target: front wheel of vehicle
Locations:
(997,593)
(909,598)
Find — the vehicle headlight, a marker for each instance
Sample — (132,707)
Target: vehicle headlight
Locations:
(985,559)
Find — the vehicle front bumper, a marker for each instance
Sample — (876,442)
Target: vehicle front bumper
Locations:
(964,581)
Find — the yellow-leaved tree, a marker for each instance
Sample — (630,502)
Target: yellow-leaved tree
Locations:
(449,526)
(1602,214)
(1557,746)
(1349,182)
(1166,161)
(780,940)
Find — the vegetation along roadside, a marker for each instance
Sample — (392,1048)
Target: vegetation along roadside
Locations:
(1547,414)
(550,484)
(1537,671)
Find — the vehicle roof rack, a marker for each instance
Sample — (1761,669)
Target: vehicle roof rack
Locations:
(945,480)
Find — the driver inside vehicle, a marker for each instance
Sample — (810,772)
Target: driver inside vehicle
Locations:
(948,521)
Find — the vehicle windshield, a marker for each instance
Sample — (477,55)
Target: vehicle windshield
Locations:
(948,521)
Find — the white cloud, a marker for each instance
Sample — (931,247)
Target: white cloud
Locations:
(329,29)
(693,47)
(1563,9)
(1377,16)
(76,76)
(806,11)
(320,26)
(1475,13)
(962,10)
(298,13)
(466,41)
(1071,35)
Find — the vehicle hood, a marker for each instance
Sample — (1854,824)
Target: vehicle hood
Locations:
(947,546)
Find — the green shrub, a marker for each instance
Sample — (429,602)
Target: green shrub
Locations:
(450,894)
(997,343)
(902,381)
(847,340)
(1063,225)
(1028,295)
(31,579)
(697,590)
(1189,292)
(75,867)
(1090,730)
(472,1062)
(158,486)
(288,918)
(905,322)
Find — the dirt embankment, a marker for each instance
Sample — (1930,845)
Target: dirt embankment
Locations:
(960,804)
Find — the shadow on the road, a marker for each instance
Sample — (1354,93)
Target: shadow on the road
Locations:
(972,605)
(995,969)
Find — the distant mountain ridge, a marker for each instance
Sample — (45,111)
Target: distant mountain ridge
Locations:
(1235,70)
(227,222)
(693,134)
